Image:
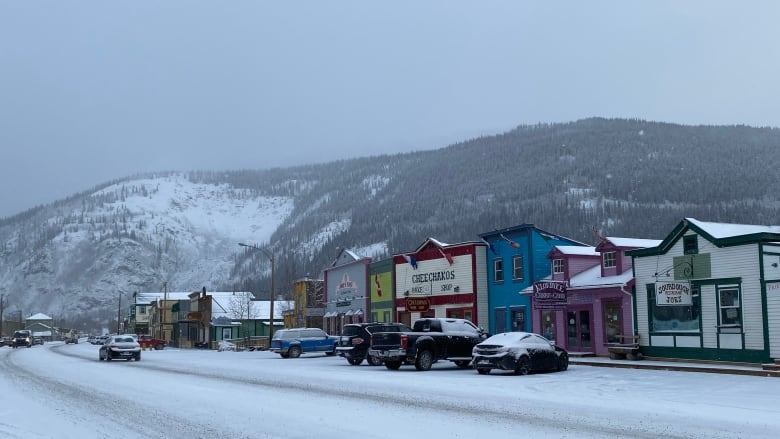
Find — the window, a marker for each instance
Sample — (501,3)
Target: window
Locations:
(612,321)
(557,265)
(498,270)
(142,309)
(690,245)
(386,317)
(675,318)
(548,324)
(730,311)
(517,268)
(609,259)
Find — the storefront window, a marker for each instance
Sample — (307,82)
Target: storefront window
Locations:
(548,324)
(730,311)
(675,318)
(612,322)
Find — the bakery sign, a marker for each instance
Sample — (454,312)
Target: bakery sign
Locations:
(673,294)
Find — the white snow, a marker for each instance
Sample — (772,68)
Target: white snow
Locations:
(62,391)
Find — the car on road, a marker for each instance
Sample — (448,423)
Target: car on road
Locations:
(37,340)
(6,341)
(148,342)
(72,338)
(355,340)
(291,343)
(519,352)
(122,347)
(22,337)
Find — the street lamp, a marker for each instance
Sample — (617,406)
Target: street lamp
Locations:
(273,269)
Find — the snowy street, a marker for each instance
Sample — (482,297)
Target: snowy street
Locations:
(63,391)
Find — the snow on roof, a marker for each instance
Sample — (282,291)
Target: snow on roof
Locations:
(591,278)
(634,242)
(725,230)
(439,243)
(577,250)
(39,316)
(148,298)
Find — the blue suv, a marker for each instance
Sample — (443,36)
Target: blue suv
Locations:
(291,343)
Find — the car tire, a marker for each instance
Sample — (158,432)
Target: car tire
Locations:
(100,356)
(158,347)
(462,363)
(392,364)
(284,355)
(295,352)
(331,353)
(424,360)
(563,362)
(523,366)
(374,360)
(108,356)
(483,371)
(355,361)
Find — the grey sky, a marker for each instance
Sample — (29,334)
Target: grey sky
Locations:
(94,90)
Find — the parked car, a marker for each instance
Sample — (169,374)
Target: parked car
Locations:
(6,341)
(355,340)
(120,347)
(22,337)
(291,343)
(147,341)
(37,340)
(520,352)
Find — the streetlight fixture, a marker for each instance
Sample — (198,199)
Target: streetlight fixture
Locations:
(273,270)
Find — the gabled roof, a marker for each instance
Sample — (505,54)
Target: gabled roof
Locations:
(633,243)
(346,257)
(591,278)
(39,316)
(575,250)
(524,227)
(149,298)
(720,234)
(436,243)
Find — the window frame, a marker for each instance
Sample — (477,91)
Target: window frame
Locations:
(518,271)
(558,266)
(690,245)
(498,270)
(721,307)
(610,256)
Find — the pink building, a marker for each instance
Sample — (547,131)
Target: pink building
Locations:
(586,303)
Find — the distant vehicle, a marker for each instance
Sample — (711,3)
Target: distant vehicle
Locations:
(519,352)
(72,338)
(37,340)
(291,343)
(355,340)
(23,337)
(147,341)
(120,347)
(6,341)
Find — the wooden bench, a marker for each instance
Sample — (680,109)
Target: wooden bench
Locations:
(627,349)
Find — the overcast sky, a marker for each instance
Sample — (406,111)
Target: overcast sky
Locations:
(92,90)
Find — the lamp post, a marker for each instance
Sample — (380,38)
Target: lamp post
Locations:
(270,256)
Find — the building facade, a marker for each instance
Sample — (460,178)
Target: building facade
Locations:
(441,280)
(381,283)
(710,291)
(516,258)
(346,291)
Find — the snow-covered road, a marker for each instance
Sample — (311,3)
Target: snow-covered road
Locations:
(62,391)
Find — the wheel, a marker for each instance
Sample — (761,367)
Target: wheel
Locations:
(138,357)
(295,352)
(523,366)
(108,356)
(355,361)
(100,356)
(483,371)
(331,353)
(158,347)
(392,364)
(563,362)
(374,360)
(424,360)
(285,355)
(614,356)
(462,363)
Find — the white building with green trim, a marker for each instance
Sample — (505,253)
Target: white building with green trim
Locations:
(710,291)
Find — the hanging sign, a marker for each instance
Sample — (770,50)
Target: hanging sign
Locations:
(673,294)
(549,295)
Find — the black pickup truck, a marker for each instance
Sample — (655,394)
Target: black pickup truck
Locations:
(431,339)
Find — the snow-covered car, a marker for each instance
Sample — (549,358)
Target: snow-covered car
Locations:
(37,340)
(123,347)
(519,352)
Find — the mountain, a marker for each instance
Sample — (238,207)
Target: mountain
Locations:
(75,259)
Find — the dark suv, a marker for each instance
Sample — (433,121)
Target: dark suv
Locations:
(356,339)
(23,338)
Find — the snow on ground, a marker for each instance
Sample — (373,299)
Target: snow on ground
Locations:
(62,391)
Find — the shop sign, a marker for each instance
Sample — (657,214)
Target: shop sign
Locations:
(549,295)
(417,304)
(673,294)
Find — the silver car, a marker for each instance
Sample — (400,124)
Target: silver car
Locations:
(120,347)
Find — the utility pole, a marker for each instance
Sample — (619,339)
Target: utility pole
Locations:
(272,258)
(2,308)
(164,309)
(119,313)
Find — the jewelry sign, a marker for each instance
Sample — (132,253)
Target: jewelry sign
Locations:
(673,294)
(549,295)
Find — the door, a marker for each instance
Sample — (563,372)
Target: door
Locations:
(578,329)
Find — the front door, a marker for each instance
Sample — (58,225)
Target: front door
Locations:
(578,329)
